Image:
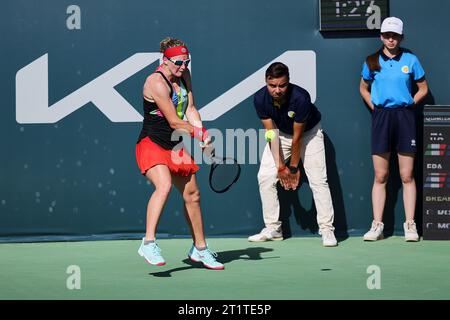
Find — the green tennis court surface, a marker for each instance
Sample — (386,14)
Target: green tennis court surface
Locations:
(296,268)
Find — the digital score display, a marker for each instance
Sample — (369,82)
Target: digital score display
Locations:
(352,15)
(436,172)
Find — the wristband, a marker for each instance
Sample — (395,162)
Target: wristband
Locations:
(293,169)
(282,168)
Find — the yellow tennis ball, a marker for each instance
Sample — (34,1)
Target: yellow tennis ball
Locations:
(270,135)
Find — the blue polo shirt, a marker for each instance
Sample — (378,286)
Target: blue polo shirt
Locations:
(391,86)
(297,107)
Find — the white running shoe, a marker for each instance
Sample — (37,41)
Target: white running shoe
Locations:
(410,231)
(328,238)
(375,233)
(266,234)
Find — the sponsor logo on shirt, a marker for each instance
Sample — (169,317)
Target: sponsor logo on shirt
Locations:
(405,69)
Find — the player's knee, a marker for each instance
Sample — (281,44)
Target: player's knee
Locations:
(163,189)
(381,177)
(407,177)
(318,184)
(192,196)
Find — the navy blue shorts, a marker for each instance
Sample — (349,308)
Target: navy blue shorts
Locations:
(393,129)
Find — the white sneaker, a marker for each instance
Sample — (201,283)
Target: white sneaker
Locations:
(328,238)
(410,231)
(266,234)
(375,233)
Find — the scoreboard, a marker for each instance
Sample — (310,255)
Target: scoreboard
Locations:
(436,172)
(352,15)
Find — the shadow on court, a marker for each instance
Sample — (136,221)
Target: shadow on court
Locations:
(224,257)
(290,204)
(307,218)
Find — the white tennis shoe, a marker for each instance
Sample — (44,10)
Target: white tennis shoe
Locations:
(410,231)
(328,238)
(375,233)
(266,234)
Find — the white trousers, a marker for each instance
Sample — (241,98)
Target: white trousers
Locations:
(313,156)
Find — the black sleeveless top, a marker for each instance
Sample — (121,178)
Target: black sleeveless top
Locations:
(155,126)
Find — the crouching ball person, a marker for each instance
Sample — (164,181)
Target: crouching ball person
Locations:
(167,99)
(386,87)
(286,108)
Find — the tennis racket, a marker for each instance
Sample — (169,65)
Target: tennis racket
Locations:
(224,172)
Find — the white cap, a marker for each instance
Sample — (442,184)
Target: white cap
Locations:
(392,24)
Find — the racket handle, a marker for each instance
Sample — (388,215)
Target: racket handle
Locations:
(210,151)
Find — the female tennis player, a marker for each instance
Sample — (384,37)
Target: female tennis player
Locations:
(168,98)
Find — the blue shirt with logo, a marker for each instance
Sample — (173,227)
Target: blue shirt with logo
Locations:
(391,86)
(297,107)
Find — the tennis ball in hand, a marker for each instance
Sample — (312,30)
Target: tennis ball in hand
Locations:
(270,135)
